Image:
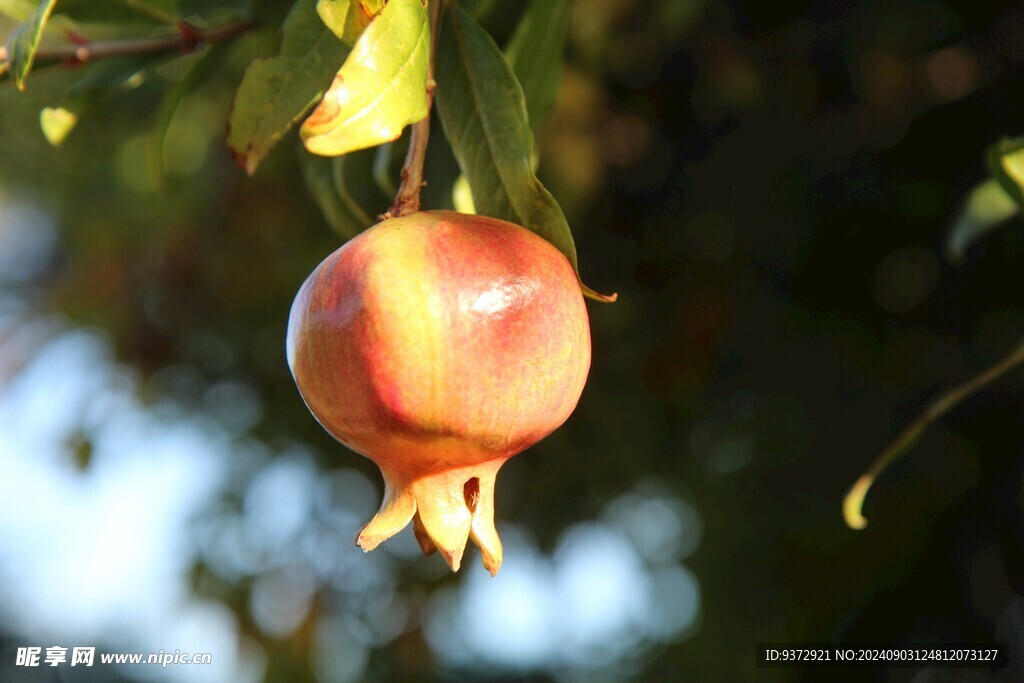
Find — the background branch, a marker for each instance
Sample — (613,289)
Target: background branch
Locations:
(186,39)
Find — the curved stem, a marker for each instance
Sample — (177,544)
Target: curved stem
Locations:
(408,198)
(185,39)
(854,501)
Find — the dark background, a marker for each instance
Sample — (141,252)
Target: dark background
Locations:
(769,188)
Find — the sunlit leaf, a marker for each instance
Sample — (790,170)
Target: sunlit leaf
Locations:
(988,207)
(535,53)
(462,196)
(484,116)
(59,22)
(1006,161)
(348,18)
(381,88)
(277,91)
(18,10)
(24,41)
(57,123)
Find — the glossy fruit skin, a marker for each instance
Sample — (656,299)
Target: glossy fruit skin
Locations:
(439,345)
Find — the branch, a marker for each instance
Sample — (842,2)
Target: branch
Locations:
(408,198)
(186,39)
(854,501)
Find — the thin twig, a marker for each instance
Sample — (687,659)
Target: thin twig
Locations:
(408,198)
(854,501)
(184,40)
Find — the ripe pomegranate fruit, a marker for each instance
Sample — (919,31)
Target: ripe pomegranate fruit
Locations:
(439,345)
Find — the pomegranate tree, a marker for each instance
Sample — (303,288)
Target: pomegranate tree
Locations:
(439,345)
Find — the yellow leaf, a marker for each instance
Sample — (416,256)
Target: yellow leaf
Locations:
(348,18)
(380,89)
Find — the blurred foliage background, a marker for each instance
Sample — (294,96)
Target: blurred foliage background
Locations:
(768,186)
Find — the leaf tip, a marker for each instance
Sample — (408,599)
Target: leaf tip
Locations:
(245,160)
(853,504)
(597,296)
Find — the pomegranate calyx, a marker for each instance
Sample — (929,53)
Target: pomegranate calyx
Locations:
(447,508)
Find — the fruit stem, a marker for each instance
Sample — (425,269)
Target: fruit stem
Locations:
(408,198)
(854,501)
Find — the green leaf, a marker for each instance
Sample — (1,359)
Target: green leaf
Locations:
(334,190)
(535,53)
(18,10)
(381,88)
(988,207)
(477,8)
(277,91)
(164,11)
(172,101)
(100,81)
(161,12)
(1006,161)
(217,12)
(348,18)
(224,8)
(484,117)
(24,41)
(383,158)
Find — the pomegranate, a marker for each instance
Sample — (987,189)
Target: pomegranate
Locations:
(439,345)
